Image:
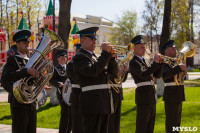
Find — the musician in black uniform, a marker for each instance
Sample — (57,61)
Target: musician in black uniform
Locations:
(174,95)
(12,50)
(24,116)
(58,80)
(93,75)
(117,92)
(75,97)
(145,93)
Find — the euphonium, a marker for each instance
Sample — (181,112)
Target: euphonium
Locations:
(26,90)
(188,50)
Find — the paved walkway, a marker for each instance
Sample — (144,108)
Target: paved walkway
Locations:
(7,129)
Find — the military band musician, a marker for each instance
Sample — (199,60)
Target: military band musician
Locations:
(58,80)
(174,95)
(93,75)
(23,116)
(75,96)
(145,93)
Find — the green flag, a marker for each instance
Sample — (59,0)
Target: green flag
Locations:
(75,29)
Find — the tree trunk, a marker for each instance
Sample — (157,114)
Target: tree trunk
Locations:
(8,24)
(64,26)
(165,35)
(29,15)
(17,12)
(190,36)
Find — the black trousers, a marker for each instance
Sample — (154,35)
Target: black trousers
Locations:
(114,122)
(65,119)
(95,123)
(145,120)
(76,112)
(173,116)
(23,120)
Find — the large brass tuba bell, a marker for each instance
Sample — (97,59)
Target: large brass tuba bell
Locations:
(188,50)
(26,90)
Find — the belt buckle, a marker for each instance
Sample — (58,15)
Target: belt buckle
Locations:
(152,82)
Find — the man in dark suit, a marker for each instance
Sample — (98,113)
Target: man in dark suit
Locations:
(58,80)
(75,96)
(24,116)
(174,94)
(145,93)
(117,92)
(93,75)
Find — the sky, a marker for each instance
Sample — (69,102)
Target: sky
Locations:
(109,9)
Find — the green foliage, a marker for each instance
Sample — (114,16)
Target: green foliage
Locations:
(11,13)
(152,16)
(180,19)
(126,30)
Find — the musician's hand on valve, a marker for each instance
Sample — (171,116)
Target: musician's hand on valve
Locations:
(33,72)
(113,51)
(157,58)
(106,47)
(183,67)
(61,84)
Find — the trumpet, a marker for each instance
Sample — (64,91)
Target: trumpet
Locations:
(124,55)
(188,50)
(166,59)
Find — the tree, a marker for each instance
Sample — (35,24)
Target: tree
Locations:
(165,34)
(152,17)
(64,26)
(127,28)
(182,23)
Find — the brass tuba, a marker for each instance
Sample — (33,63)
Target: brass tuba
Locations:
(188,50)
(26,90)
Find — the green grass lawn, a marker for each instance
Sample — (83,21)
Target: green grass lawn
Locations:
(48,116)
(190,112)
(195,70)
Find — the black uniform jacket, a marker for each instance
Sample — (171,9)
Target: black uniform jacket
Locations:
(75,91)
(60,75)
(142,73)
(90,70)
(172,93)
(13,71)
